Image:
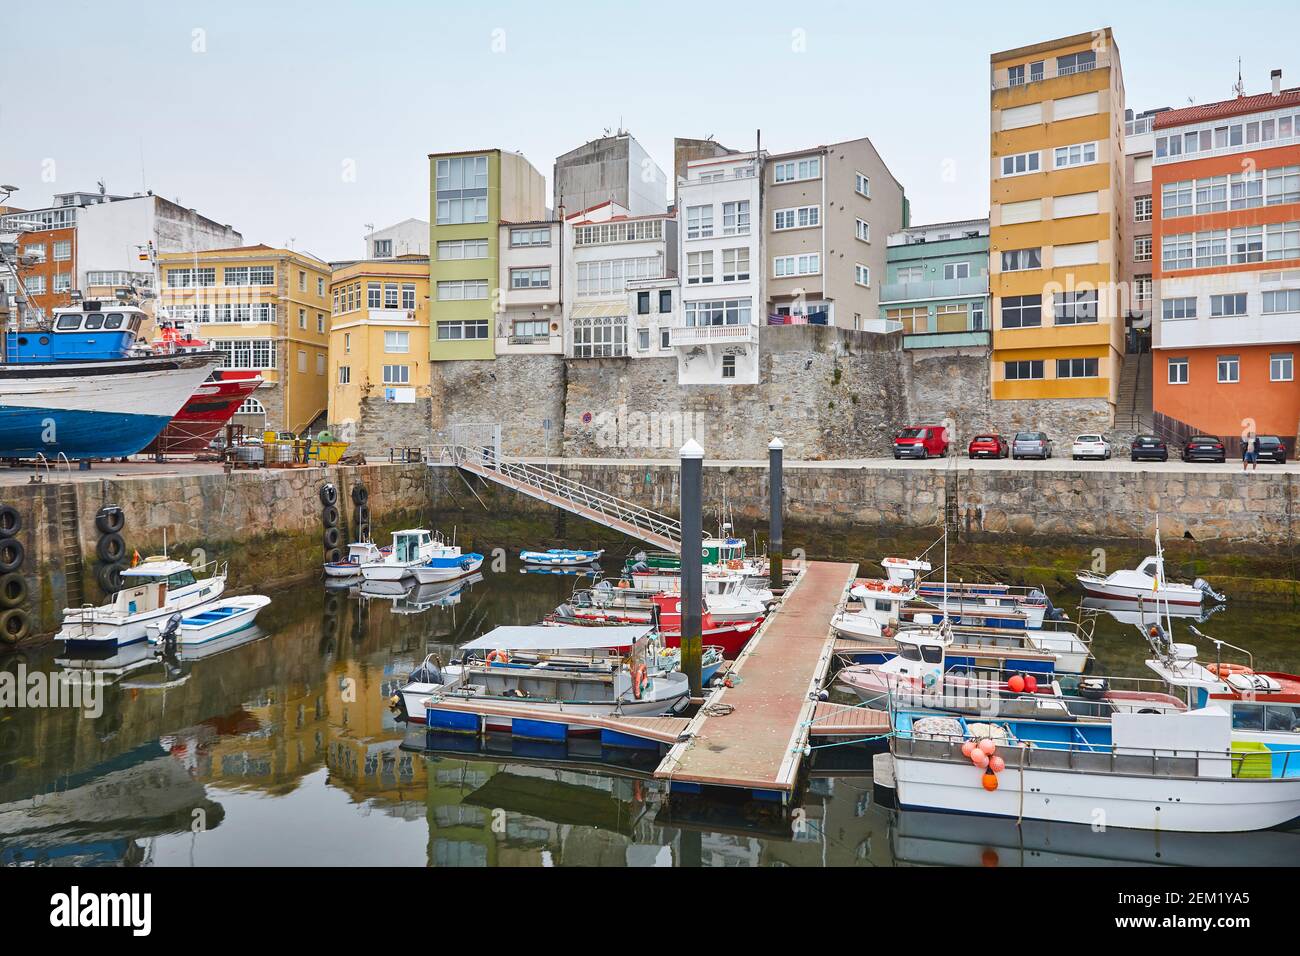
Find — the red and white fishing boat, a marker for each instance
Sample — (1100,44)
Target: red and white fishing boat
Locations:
(212,405)
(731,636)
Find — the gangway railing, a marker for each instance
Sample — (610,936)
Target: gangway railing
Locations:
(631,519)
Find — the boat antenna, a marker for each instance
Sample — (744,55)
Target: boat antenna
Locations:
(945,573)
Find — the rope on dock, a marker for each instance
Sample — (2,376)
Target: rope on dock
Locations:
(845,743)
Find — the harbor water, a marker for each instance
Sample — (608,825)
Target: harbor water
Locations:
(278,747)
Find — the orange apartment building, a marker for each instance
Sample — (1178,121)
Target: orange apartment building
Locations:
(1226,197)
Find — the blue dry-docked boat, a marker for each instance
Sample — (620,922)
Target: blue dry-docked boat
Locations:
(77,389)
(560,557)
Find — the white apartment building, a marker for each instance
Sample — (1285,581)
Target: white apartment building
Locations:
(410,237)
(606,253)
(721,271)
(531,280)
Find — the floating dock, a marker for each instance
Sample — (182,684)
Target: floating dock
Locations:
(752,736)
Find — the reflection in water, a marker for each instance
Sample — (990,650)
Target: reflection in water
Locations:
(279,748)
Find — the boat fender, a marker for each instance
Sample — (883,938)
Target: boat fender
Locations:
(111,548)
(109,577)
(110,519)
(11,522)
(360,494)
(329,495)
(15,624)
(639,679)
(331,538)
(335,556)
(329,516)
(13,590)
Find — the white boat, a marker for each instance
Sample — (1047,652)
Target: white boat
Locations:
(560,557)
(1173,772)
(1147,582)
(359,553)
(446,563)
(636,605)
(562,674)
(411,547)
(151,591)
(209,623)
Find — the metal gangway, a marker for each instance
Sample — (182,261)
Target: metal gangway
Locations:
(485,460)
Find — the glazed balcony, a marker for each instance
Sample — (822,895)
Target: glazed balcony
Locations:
(934,289)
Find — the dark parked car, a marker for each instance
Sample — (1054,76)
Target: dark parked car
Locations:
(1270,448)
(988,446)
(1148,448)
(1204,448)
(1031,445)
(921,441)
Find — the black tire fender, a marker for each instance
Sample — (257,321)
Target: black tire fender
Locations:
(11,521)
(331,538)
(329,495)
(109,577)
(12,554)
(15,624)
(111,548)
(329,516)
(110,520)
(360,494)
(13,590)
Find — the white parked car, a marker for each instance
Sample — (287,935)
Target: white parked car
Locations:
(1090,446)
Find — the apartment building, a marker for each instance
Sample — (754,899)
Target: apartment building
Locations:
(936,285)
(721,259)
(531,279)
(471,194)
(1137,250)
(609,254)
(826,213)
(266,309)
(1226,191)
(378,337)
(410,237)
(1057,205)
(615,169)
(95,243)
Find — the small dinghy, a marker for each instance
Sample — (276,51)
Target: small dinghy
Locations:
(560,557)
(219,619)
(359,553)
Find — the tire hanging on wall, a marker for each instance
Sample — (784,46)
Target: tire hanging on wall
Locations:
(13,590)
(329,516)
(110,520)
(109,577)
(12,554)
(331,538)
(15,624)
(11,522)
(360,494)
(111,548)
(334,556)
(329,495)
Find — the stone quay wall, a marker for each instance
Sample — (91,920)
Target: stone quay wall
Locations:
(266,524)
(830,393)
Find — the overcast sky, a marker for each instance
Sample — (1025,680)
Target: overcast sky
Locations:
(302,122)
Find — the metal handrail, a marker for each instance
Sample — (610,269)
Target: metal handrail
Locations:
(604,504)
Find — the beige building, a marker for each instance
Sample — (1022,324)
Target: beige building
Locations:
(826,213)
(266,309)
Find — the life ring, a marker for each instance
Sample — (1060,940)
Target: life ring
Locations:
(639,677)
(875,586)
(624,584)
(1223,670)
(498,656)
(735,565)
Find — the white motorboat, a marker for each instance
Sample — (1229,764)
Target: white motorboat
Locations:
(560,674)
(211,622)
(151,591)
(446,563)
(411,547)
(359,553)
(1147,583)
(1173,772)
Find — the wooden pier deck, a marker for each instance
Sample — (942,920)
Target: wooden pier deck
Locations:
(845,720)
(659,730)
(752,735)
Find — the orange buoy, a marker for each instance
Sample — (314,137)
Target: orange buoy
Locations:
(1016,683)
(966,748)
(990,781)
(997,764)
(988,746)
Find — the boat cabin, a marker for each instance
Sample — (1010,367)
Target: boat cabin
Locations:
(83,333)
(904,570)
(146,586)
(413,545)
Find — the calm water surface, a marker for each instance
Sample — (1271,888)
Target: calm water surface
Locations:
(280,749)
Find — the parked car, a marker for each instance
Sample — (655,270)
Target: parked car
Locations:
(1090,446)
(1031,445)
(1149,448)
(988,446)
(1270,448)
(1204,448)
(921,441)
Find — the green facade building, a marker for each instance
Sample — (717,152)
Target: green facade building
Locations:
(937,285)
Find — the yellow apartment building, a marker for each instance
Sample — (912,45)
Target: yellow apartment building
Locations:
(266,309)
(379,338)
(1056,212)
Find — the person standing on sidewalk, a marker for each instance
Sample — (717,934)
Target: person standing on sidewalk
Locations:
(1249,452)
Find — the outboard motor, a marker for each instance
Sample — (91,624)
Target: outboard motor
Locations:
(1053,612)
(168,636)
(429,672)
(1203,586)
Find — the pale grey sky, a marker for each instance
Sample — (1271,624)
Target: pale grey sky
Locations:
(255,113)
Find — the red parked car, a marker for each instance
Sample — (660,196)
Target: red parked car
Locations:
(988,446)
(921,441)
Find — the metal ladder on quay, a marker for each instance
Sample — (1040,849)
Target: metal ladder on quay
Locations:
(70,544)
(633,520)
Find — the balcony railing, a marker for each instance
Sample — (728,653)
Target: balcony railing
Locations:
(1050,72)
(689,335)
(934,289)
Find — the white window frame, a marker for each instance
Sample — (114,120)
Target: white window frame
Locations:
(1033,163)
(862,184)
(863,230)
(862,275)
(1281,367)
(1178,371)
(802,264)
(1063,157)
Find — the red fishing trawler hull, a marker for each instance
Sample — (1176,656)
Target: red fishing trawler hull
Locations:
(206,412)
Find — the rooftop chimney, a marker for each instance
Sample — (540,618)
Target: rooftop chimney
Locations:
(1277,82)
